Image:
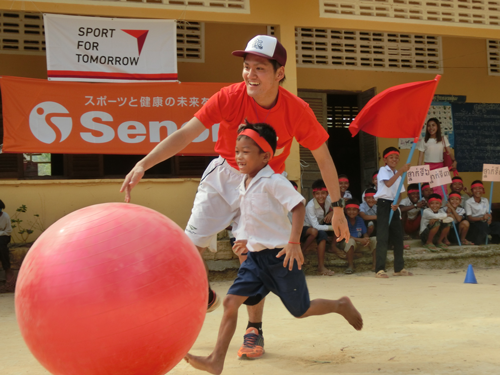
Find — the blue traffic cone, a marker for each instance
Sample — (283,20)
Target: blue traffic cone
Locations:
(470,278)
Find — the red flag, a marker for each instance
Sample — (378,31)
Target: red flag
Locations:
(398,112)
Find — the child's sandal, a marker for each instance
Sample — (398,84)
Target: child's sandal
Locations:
(430,247)
(442,245)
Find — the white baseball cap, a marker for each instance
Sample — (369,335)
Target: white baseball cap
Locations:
(265,46)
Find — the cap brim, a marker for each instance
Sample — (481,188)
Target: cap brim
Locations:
(244,53)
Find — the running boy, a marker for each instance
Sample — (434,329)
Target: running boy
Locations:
(316,210)
(274,256)
(360,239)
(411,209)
(435,225)
(388,182)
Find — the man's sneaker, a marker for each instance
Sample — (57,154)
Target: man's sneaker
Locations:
(253,345)
(214,303)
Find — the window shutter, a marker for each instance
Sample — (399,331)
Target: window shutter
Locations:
(84,166)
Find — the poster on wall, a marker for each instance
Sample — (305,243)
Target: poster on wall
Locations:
(441,111)
(110,49)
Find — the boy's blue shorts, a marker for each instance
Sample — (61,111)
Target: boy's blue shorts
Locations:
(262,273)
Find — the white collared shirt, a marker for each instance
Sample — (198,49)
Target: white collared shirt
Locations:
(383,192)
(367,210)
(264,207)
(315,214)
(474,209)
(428,215)
(413,213)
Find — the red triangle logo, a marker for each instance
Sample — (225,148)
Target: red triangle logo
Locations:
(140,35)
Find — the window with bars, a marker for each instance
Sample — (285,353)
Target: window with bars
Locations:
(476,13)
(21,33)
(493,53)
(365,50)
(231,6)
(341,116)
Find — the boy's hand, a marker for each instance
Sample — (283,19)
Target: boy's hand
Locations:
(421,204)
(366,242)
(405,168)
(328,217)
(394,207)
(339,224)
(131,179)
(240,247)
(292,252)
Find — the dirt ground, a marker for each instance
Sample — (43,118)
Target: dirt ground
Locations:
(431,323)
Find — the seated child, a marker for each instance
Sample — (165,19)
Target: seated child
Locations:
(344,185)
(360,240)
(453,210)
(426,191)
(457,186)
(477,209)
(435,225)
(368,211)
(274,256)
(308,234)
(316,210)
(372,185)
(411,211)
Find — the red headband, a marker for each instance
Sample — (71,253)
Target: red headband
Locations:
(263,144)
(453,194)
(476,185)
(425,185)
(320,189)
(390,153)
(412,191)
(369,194)
(434,199)
(343,179)
(352,205)
(457,178)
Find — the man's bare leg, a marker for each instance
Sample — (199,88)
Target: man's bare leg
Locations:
(342,306)
(214,363)
(212,303)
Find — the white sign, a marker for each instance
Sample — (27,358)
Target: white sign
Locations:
(110,49)
(491,172)
(420,173)
(439,177)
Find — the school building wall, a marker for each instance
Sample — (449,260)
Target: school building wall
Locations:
(465,73)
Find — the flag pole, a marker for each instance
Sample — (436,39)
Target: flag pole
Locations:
(491,199)
(413,146)
(415,140)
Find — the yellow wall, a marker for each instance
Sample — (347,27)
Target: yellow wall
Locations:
(465,73)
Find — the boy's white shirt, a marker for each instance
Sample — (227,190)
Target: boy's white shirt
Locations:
(315,214)
(364,208)
(264,207)
(459,210)
(474,209)
(383,192)
(413,213)
(428,215)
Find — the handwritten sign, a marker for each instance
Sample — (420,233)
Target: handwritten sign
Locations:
(491,172)
(440,176)
(420,173)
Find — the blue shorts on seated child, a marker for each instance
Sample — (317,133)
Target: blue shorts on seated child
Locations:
(262,273)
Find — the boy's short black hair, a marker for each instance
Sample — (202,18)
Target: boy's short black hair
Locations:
(318,184)
(476,182)
(352,201)
(457,178)
(412,187)
(2,205)
(389,149)
(266,131)
(370,190)
(434,195)
(294,184)
(343,176)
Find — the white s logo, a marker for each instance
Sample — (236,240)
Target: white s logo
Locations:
(45,118)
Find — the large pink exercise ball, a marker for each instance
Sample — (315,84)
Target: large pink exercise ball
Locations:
(111,289)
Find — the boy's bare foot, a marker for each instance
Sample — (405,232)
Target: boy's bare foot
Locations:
(204,363)
(349,312)
(325,272)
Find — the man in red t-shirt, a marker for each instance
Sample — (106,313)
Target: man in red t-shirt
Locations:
(259,98)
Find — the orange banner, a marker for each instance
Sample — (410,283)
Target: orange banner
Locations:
(100,118)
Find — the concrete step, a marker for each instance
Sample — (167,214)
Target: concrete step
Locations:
(455,257)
